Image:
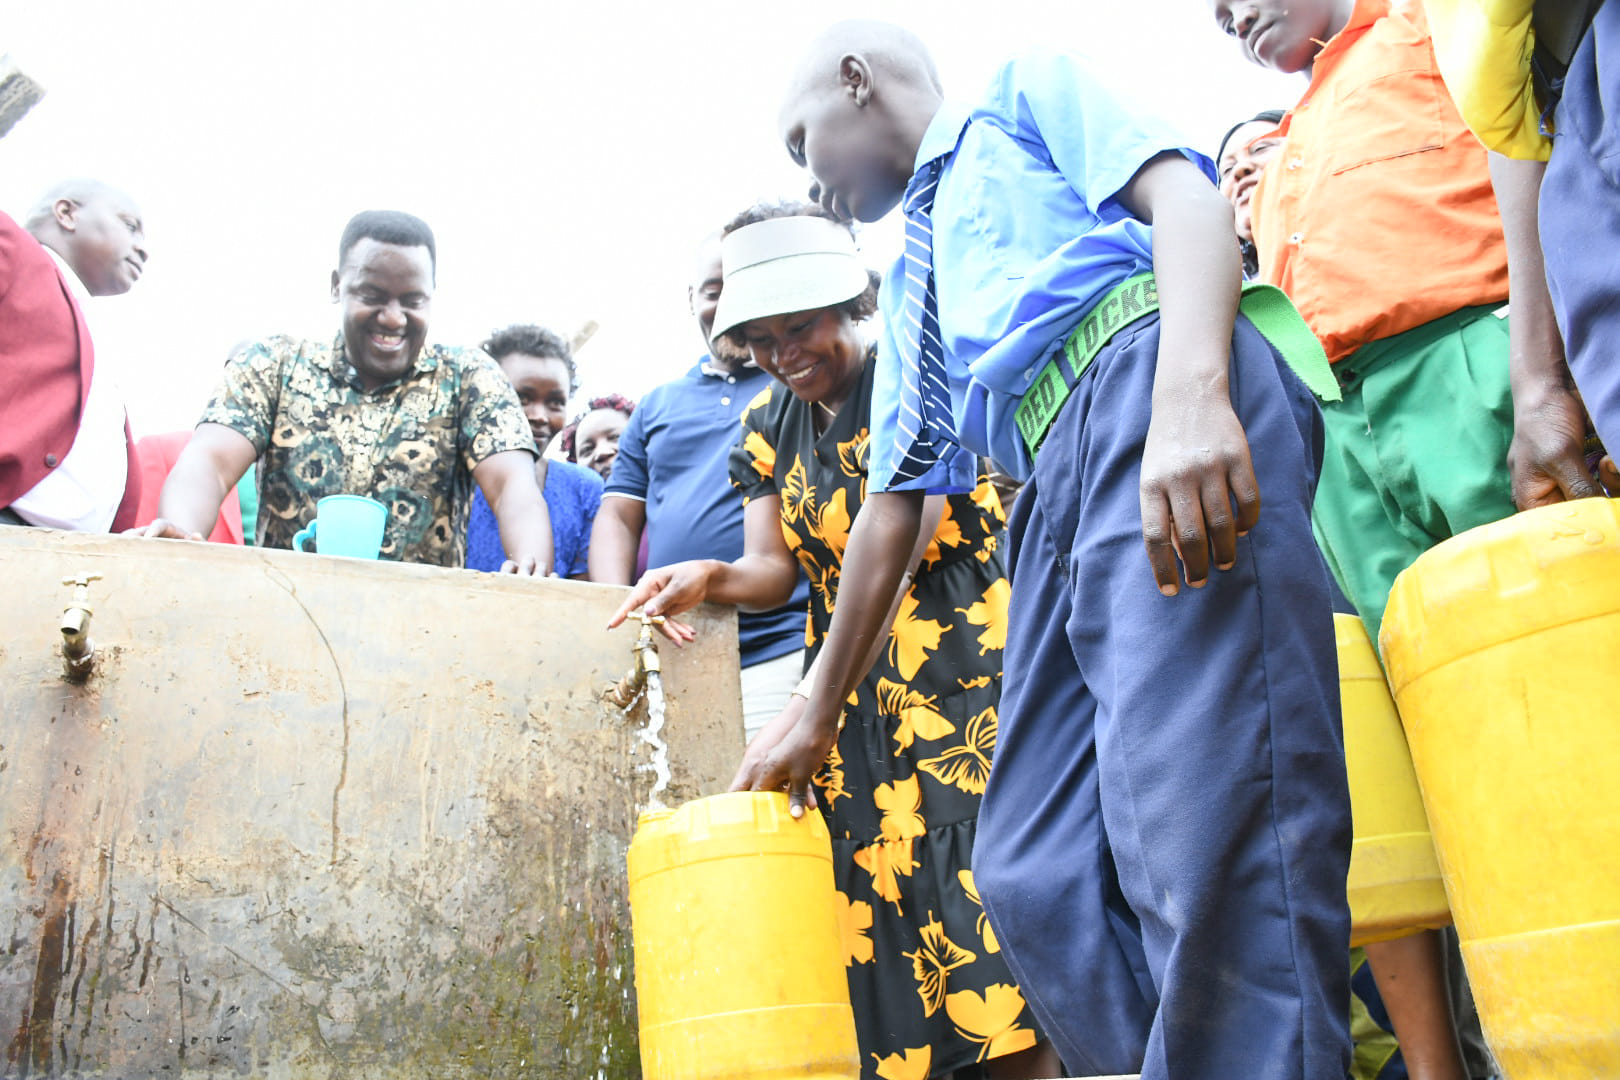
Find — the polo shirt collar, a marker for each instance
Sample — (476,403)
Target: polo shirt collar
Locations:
(943,134)
(706,367)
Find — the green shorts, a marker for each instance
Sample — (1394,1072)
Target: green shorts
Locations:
(1416,450)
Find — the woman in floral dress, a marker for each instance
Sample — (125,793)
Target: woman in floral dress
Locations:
(902,783)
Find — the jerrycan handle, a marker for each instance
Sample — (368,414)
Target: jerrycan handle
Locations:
(304,535)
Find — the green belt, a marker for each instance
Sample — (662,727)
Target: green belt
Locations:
(1133,299)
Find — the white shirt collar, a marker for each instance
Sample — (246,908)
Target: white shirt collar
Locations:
(80,293)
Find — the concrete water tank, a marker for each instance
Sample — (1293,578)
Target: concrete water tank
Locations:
(317,817)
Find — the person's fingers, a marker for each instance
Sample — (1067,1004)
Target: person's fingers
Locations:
(1609,474)
(662,595)
(640,592)
(1245,494)
(1216,506)
(1156,539)
(801,792)
(630,604)
(678,634)
(1576,482)
(771,774)
(1190,536)
(508,567)
(744,780)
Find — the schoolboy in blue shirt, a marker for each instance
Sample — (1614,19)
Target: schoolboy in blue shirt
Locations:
(1165,836)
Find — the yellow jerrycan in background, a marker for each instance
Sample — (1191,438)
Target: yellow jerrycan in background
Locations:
(1503,650)
(739,966)
(1394,885)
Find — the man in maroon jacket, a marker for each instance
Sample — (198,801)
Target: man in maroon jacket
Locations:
(66,456)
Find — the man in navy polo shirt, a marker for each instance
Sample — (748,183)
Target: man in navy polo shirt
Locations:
(672,478)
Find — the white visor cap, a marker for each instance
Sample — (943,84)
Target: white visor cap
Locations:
(785,265)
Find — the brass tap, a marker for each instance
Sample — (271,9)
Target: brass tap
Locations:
(623,694)
(78,651)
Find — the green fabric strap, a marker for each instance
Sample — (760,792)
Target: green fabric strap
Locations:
(1266,306)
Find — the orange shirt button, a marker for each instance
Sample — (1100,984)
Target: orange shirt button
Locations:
(1296,238)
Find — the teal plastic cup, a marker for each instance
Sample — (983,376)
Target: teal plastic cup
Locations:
(347,525)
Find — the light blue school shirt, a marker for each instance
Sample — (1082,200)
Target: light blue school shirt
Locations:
(1028,234)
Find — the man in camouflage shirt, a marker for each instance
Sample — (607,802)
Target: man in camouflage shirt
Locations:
(375,412)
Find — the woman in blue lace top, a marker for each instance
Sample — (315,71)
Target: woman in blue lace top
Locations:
(540,366)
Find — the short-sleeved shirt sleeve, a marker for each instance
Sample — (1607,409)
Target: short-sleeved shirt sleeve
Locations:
(1484,49)
(250,389)
(1028,232)
(630,469)
(490,419)
(753,459)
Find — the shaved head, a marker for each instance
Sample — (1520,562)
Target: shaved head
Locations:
(856,111)
(96,229)
(893,51)
(81,190)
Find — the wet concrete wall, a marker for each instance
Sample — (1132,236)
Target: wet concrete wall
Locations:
(323,818)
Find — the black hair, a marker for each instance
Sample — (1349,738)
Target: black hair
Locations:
(532,340)
(1268,116)
(616,402)
(1246,248)
(388,227)
(857,308)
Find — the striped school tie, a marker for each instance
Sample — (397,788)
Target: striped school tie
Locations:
(924,435)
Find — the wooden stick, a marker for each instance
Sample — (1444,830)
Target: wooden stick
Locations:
(584,334)
(18,93)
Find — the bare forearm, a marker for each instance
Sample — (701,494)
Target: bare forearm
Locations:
(1537,348)
(755,582)
(1198,272)
(525,525)
(875,563)
(193,494)
(615,540)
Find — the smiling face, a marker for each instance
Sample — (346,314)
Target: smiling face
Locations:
(105,241)
(596,440)
(817,354)
(385,292)
(704,297)
(1246,153)
(854,152)
(541,383)
(1284,35)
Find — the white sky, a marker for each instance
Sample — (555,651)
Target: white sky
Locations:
(569,156)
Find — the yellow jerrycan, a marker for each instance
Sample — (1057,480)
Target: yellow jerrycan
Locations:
(1394,885)
(739,967)
(1503,649)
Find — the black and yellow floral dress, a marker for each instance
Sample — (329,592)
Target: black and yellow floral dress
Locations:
(901,788)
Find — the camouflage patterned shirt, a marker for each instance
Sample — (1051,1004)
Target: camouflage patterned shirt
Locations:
(411,444)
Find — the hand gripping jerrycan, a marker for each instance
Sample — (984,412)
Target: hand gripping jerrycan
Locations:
(739,966)
(1394,887)
(1503,649)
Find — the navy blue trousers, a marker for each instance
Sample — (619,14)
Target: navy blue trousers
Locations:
(1580,221)
(1164,840)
